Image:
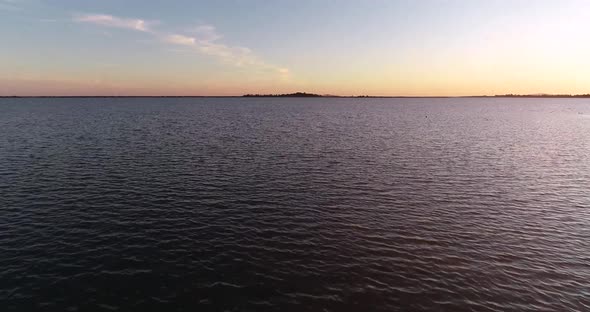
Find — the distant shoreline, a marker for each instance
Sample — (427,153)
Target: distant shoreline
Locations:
(230,96)
(300,95)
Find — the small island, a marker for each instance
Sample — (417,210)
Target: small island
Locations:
(296,94)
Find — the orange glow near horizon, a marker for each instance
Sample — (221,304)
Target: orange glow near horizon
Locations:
(428,49)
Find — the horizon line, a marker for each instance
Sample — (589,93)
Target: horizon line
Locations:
(541,95)
(236,96)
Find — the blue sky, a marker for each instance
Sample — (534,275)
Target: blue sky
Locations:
(342,47)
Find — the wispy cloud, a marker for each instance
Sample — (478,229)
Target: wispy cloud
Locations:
(207,44)
(116,22)
(206,40)
(205,32)
(180,40)
(203,39)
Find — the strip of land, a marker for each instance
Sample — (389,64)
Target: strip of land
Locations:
(308,95)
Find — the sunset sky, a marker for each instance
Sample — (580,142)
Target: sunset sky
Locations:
(374,47)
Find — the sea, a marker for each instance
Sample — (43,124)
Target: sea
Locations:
(294,204)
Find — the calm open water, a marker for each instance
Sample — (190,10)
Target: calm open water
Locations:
(295,204)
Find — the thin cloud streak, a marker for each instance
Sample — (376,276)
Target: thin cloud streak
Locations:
(205,32)
(180,40)
(116,22)
(204,40)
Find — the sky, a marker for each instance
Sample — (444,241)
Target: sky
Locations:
(340,47)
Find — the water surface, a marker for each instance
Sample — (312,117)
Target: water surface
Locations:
(259,204)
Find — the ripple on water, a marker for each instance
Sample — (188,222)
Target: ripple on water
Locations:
(294,204)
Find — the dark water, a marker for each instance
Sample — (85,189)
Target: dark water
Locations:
(295,204)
